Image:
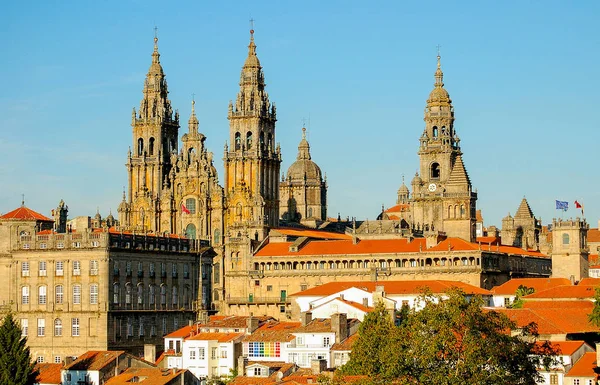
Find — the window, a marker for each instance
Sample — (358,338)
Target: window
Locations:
(174,270)
(57,359)
(153,329)
(151,147)
(58,327)
(506,301)
(140,294)
(248,140)
(216,273)
(326,341)
(129,327)
(176,324)
(142,327)
(116,268)
(263,349)
(58,294)
(152,295)
(192,354)
(128,293)
(25,295)
(152,270)
(163,295)
(25,269)
(60,245)
(217,237)
(76,268)
(93,267)
(42,270)
(75,327)
(256,282)
(258,372)
(269,288)
(565,241)
(116,293)
(554,379)
(59,272)
(223,352)
(128,268)
(435,171)
(186,271)
(40,359)
(94,294)
(201,354)
(24,327)
(164,325)
(213,353)
(42,295)
(175,296)
(140,270)
(576,381)
(190,204)
(238,141)
(163,270)
(76,294)
(41,327)
(140,146)
(282,308)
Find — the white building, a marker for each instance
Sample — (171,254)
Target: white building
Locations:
(209,355)
(570,352)
(270,341)
(97,367)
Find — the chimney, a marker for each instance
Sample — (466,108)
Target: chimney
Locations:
(305,318)
(69,360)
(365,302)
(190,323)
(242,363)
(251,324)
(318,366)
(150,352)
(339,325)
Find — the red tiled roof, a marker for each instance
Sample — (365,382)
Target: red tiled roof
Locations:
(593,235)
(489,240)
(458,244)
(589,282)
(147,376)
(273,331)
(579,304)
(593,261)
(398,208)
(538,284)
(25,214)
(565,348)
(219,337)
(48,373)
(565,291)
(94,360)
(393,287)
(311,233)
(181,333)
(478,216)
(345,344)
(585,367)
(341,247)
(551,321)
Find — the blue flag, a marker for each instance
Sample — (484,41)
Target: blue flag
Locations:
(562,205)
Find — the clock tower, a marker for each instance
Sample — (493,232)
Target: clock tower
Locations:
(442,198)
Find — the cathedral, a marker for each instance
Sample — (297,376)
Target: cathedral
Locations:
(272,236)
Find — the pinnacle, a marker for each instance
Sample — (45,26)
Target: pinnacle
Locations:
(459,175)
(524,211)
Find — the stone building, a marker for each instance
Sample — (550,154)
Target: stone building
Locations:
(570,251)
(95,288)
(523,230)
(303,191)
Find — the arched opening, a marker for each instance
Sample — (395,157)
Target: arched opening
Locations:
(190,204)
(261,140)
(238,141)
(140,150)
(151,146)
(435,171)
(190,231)
(248,140)
(434,131)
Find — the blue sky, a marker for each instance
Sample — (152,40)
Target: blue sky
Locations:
(522,76)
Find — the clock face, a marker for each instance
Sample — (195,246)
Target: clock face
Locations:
(432,187)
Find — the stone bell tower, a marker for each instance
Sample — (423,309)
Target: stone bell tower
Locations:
(442,199)
(252,159)
(155,132)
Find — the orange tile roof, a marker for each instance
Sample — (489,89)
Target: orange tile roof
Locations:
(25,214)
(398,208)
(393,287)
(489,240)
(566,348)
(345,344)
(273,331)
(341,247)
(219,337)
(551,321)
(593,261)
(538,284)
(458,244)
(311,233)
(48,373)
(478,216)
(232,321)
(593,235)
(181,333)
(585,367)
(589,282)
(565,291)
(356,305)
(147,376)
(94,360)
(578,304)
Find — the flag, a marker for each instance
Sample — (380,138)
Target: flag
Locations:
(562,205)
(579,206)
(184,209)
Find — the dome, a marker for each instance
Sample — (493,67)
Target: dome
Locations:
(403,189)
(417,179)
(439,94)
(304,168)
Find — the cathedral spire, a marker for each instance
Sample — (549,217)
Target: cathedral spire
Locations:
(303,147)
(439,75)
(193,121)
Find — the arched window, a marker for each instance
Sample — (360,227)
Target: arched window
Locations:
(151,146)
(140,294)
(190,231)
(435,171)
(217,237)
(443,130)
(190,204)
(455,211)
(434,130)
(116,293)
(140,146)
(449,211)
(42,290)
(59,294)
(565,239)
(261,140)
(58,327)
(238,141)
(128,293)
(249,140)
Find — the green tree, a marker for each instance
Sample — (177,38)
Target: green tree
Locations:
(452,340)
(594,316)
(16,366)
(519,293)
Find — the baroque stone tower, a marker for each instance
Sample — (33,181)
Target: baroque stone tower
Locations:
(155,131)
(442,199)
(252,160)
(303,191)
(569,249)
(523,230)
